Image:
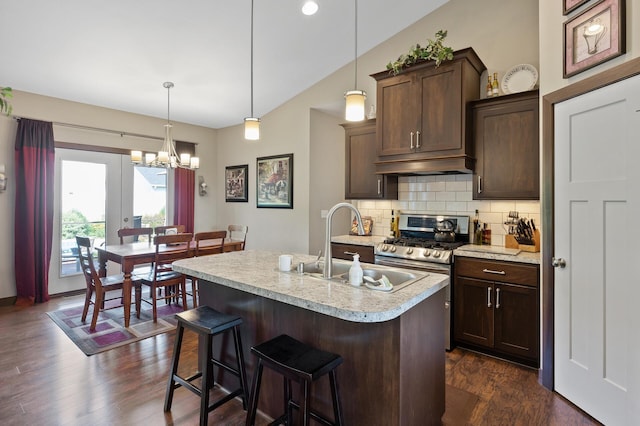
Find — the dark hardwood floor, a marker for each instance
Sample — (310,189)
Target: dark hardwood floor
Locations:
(46,380)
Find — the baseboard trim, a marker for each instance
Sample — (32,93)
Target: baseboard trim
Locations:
(8,301)
(68,293)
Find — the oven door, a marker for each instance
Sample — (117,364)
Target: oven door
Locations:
(439,268)
(436,268)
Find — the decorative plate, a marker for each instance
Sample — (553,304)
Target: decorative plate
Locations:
(520,78)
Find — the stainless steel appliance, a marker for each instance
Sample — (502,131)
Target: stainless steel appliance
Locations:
(418,248)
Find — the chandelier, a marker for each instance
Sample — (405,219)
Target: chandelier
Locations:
(167,156)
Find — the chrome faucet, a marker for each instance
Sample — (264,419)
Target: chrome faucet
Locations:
(328,261)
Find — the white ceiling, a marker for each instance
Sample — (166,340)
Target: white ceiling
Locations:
(117,53)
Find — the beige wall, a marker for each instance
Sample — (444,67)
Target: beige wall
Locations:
(551,42)
(50,109)
(489,27)
(502,33)
(551,52)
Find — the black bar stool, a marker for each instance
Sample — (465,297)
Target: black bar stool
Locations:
(207,322)
(303,364)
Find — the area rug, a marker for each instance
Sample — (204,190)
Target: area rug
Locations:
(110,331)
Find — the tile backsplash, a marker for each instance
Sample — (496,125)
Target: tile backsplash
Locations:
(446,194)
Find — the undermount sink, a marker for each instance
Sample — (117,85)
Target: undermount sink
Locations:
(399,278)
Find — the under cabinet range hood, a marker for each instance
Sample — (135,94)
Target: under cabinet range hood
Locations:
(426,166)
(422,122)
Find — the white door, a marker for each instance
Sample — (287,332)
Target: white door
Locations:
(597,214)
(98,186)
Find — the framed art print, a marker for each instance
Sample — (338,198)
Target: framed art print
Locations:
(569,6)
(236,184)
(594,36)
(274,186)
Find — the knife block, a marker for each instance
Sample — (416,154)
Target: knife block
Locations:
(510,242)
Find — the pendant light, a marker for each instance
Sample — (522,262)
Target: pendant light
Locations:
(252,124)
(167,156)
(354,110)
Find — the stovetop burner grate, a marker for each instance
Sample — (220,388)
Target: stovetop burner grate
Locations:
(422,242)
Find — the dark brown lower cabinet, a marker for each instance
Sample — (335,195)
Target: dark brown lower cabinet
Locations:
(339,250)
(496,308)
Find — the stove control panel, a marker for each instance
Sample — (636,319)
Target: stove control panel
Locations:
(414,253)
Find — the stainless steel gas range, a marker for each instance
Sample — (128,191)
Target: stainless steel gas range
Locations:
(426,243)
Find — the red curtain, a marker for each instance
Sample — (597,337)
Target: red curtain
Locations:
(34,173)
(184,199)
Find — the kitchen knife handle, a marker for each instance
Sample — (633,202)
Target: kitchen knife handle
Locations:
(418,139)
(488,297)
(411,140)
(479,184)
(497,298)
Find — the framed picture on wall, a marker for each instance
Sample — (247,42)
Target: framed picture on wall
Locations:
(274,186)
(569,6)
(236,184)
(594,36)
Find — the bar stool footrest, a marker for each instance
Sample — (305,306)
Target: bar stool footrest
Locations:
(186,383)
(313,414)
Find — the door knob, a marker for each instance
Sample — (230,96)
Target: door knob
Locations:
(558,263)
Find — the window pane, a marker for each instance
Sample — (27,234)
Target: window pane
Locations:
(149,196)
(83,207)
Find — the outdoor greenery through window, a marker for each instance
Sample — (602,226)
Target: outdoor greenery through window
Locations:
(150,197)
(83,206)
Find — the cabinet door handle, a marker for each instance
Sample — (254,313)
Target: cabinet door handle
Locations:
(418,139)
(411,140)
(491,271)
(488,297)
(497,298)
(479,184)
(379,186)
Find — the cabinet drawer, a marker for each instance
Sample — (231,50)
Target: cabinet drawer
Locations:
(492,270)
(365,252)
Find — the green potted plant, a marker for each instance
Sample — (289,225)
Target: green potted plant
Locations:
(433,51)
(5,106)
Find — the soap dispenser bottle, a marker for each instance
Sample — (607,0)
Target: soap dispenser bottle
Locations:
(355,272)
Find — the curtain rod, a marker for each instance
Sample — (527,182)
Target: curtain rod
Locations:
(99,129)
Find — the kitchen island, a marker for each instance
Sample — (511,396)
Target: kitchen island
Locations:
(392,343)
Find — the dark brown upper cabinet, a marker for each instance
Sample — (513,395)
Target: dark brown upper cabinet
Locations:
(506,136)
(421,116)
(361,180)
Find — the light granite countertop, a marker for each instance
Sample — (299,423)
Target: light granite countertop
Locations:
(497,253)
(256,272)
(358,240)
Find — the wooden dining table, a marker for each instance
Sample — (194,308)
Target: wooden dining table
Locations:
(131,254)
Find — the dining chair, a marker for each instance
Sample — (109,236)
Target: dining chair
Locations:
(97,287)
(239,233)
(162,230)
(123,233)
(203,248)
(169,248)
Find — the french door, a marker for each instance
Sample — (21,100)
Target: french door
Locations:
(94,197)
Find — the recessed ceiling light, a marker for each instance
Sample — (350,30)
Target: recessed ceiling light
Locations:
(310,7)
